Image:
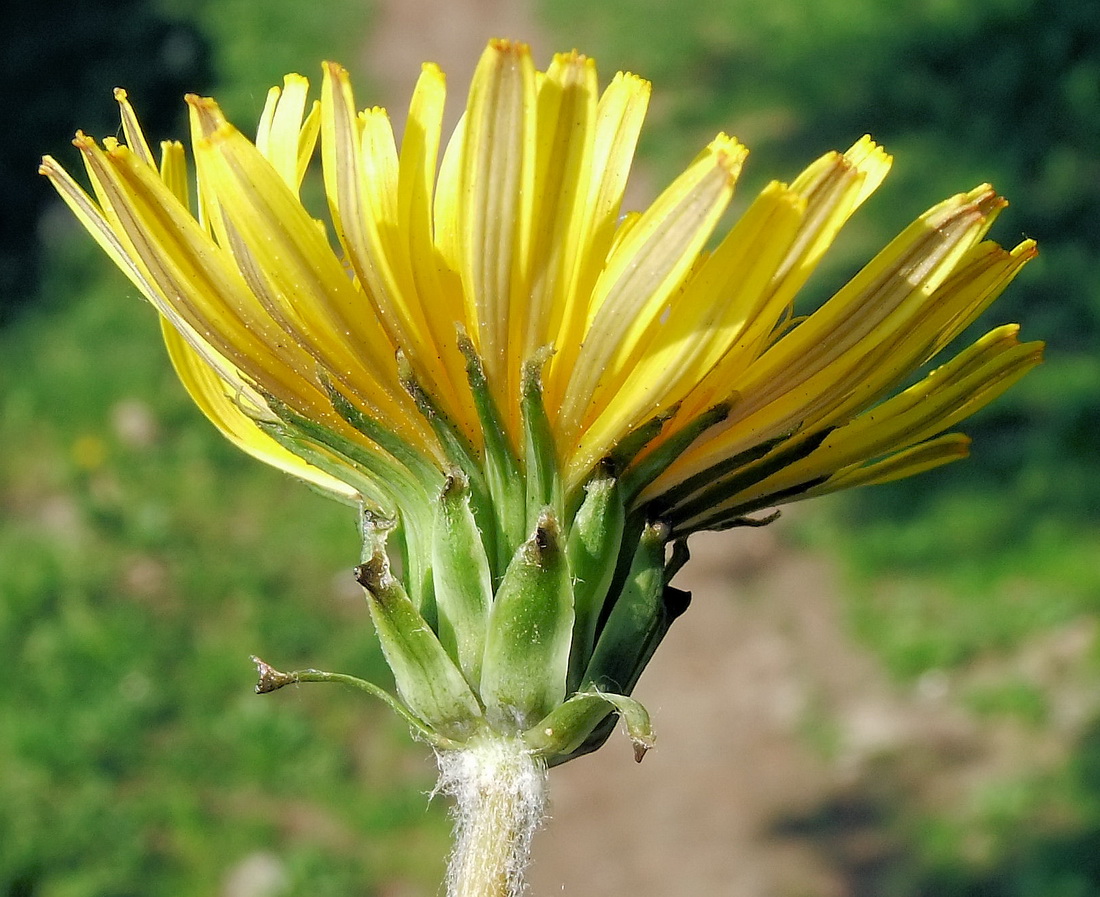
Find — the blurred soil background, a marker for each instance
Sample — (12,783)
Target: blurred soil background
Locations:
(892,693)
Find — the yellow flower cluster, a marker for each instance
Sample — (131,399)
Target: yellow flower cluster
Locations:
(507,248)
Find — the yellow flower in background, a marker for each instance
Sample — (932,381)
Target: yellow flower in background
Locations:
(481,349)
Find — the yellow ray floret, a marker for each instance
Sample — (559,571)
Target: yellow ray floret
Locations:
(208,392)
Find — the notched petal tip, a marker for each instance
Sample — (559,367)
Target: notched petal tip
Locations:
(573,65)
(984,200)
(335,72)
(867,152)
(83,142)
(1026,250)
(206,114)
(508,47)
(729,154)
(366,115)
(633,82)
(198,101)
(977,208)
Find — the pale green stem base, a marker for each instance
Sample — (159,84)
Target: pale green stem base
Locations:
(499,791)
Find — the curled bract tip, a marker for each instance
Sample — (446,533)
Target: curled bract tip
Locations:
(270,679)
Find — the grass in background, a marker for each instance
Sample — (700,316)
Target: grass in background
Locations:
(922,606)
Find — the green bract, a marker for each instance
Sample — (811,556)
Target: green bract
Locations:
(547,644)
(516,610)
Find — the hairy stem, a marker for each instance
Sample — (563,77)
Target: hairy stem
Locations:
(499,791)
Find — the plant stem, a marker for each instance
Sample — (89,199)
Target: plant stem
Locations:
(499,791)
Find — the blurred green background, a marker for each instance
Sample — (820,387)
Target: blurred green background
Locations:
(142,559)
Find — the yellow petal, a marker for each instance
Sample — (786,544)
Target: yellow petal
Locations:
(131,128)
(567,100)
(723,299)
(947,395)
(173,171)
(494,215)
(954,391)
(910,462)
(619,116)
(906,272)
(183,273)
(432,284)
(907,339)
(207,390)
(292,269)
(279,136)
(832,188)
(806,375)
(647,267)
(92,218)
(362,176)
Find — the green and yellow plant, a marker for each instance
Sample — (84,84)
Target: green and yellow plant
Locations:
(532,398)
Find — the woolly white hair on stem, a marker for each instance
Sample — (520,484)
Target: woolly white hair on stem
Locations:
(499,792)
